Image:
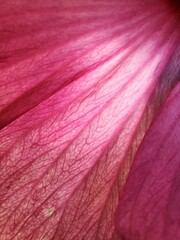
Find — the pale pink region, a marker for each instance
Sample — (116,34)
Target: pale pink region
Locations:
(150,205)
(83,216)
(58,200)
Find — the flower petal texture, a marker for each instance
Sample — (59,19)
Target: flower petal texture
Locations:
(150,204)
(78,82)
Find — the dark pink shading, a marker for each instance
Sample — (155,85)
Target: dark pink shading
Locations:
(150,204)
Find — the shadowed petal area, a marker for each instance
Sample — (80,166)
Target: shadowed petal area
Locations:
(78,79)
(150,204)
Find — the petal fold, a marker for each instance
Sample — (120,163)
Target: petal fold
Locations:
(150,204)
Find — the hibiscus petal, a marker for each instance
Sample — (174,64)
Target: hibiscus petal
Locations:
(150,204)
(76,77)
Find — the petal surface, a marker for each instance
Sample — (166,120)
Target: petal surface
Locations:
(76,79)
(150,204)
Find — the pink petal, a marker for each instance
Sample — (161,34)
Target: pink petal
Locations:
(76,79)
(150,204)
